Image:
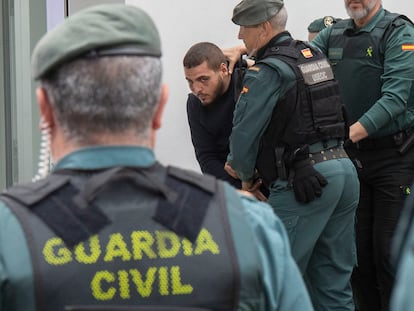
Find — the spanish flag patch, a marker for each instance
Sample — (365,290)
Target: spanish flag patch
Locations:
(307,53)
(254,68)
(407,47)
(245,90)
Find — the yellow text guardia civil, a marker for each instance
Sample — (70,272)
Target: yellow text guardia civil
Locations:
(105,285)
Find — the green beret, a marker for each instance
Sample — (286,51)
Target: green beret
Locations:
(254,12)
(107,29)
(322,23)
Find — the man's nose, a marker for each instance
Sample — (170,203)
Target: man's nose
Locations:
(240,35)
(196,88)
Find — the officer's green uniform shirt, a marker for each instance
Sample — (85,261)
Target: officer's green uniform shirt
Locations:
(397,79)
(254,110)
(282,285)
(310,226)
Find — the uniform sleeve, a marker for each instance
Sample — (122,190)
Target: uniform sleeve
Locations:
(402,297)
(16,276)
(208,155)
(261,90)
(321,40)
(403,259)
(283,283)
(398,81)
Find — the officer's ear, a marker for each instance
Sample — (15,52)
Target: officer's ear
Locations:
(266,28)
(156,120)
(45,107)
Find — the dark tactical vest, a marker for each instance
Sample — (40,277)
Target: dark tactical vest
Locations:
(167,244)
(361,54)
(310,112)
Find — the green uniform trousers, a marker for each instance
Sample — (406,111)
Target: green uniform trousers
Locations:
(322,233)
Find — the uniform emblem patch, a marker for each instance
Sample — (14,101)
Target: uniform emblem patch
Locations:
(307,53)
(369,51)
(245,90)
(254,68)
(407,47)
(328,21)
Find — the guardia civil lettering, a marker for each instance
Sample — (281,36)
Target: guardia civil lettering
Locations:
(314,66)
(139,245)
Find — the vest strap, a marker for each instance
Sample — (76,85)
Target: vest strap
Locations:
(72,215)
(185,215)
(141,178)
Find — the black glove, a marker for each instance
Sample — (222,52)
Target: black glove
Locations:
(307,182)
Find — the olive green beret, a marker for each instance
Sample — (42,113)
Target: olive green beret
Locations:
(322,23)
(254,12)
(107,29)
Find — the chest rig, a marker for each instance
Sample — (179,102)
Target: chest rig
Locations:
(354,53)
(128,239)
(310,112)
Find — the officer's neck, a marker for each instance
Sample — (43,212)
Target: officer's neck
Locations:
(272,41)
(61,146)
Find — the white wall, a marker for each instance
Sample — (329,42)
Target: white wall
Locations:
(185,22)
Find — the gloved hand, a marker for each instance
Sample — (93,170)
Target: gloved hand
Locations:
(307,182)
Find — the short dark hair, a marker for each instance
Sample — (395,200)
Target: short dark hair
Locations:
(105,95)
(204,51)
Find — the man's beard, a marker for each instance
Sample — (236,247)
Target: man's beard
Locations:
(220,90)
(360,14)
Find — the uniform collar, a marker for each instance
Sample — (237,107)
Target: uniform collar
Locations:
(285,35)
(101,157)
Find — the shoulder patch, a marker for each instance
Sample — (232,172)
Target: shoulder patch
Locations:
(328,21)
(254,68)
(307,53)
(407,47)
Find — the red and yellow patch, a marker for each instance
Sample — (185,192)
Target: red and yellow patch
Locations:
(254,68)
(245,90)
(307,53)
(407,47)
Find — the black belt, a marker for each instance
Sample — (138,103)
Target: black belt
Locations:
(385,142)
(328,154)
